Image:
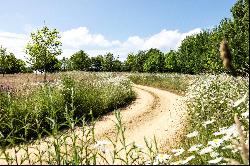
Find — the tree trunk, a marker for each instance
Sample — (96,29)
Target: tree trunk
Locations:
(45,67)
(45,79)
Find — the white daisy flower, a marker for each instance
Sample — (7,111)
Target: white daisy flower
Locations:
(188,159)
(178,151)
(214,154)
(228,147)
(216,142)
(231,132)
(208,122)
(194,148)
(162,157)
(193,134)
(235,150)
(208,149)
(245,114)
(221,131)
(238,102)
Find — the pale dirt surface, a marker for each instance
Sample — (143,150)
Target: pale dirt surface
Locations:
(155,112)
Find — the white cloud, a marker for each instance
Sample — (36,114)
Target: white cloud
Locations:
(80,37)
(163,40)
(14,43)
(96,44)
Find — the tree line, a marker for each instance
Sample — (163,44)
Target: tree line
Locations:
(200,53)
(9,64)
(196,54)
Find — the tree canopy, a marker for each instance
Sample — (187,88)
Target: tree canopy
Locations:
(43,48)
(9,64)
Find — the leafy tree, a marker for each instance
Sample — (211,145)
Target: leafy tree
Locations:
(155,61)
(80,61)
(66,64)
(3,60)
(240,38)
(141,58)
(200,53)
(135,62)
(9,64)
(43,48)
(107,62)
(96,63)
(54,65)
(117,65)
(21,66)
(170,61)
(130,63)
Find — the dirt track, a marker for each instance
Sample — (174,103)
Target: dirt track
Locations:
(154,112)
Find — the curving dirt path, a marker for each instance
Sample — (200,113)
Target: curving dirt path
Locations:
(155,112)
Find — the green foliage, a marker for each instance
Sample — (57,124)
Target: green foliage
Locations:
(36,111)
(130,63)
(155,61)
(43,49)
(80,61)
(117,65)
(170,61)
(110,63)
(176,83)
(200,53)
(145,61)
(96,63)
(9,64)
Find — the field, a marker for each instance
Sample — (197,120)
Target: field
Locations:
(91,118)
(169,89)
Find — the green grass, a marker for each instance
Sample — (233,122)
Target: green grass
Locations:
(212,102)
(37,110)
(176,83)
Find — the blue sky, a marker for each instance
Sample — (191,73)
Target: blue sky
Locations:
(119,26)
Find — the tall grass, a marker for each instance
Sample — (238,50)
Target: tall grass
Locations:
(176,83)
(218,122)
(214,102)
(37,110)
(218,131)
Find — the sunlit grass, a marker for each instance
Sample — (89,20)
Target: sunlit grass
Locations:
(42,106)
(176,83)
(217,133)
